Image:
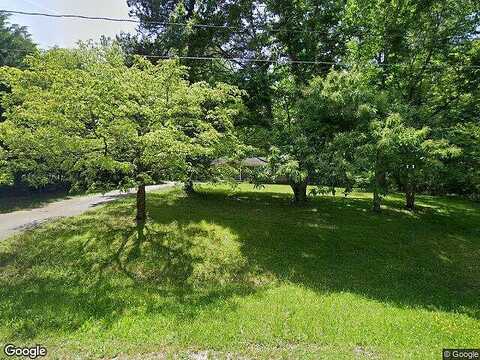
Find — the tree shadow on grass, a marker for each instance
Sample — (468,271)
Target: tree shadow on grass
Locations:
(91,269)
(427,259)
(200,251)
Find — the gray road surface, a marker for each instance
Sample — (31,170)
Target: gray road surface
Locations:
(17,221)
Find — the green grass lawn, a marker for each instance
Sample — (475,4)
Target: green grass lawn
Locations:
(242,273)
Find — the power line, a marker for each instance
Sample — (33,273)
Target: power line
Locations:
(237,29)
(279,61)
(159,23)
(212,58)
(257,60)
(167,23)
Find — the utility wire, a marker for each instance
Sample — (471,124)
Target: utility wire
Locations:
(201,58)
(159,23)
(258,60)
(167,23)
(211,58)
(280,61)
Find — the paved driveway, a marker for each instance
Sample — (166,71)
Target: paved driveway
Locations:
(18,221)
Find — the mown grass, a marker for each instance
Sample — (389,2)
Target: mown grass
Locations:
(242,273)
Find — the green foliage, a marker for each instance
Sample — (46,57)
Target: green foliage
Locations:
(417,59)
(428,60)
(409,149)
(307,123)
(241,30)
(86,115)
(15,43)
(461,174)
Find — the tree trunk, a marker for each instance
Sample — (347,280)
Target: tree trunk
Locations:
(379,184)
(299,192)
(410,188)
(410,200)
(189,187)
(141,218)
(141,206)
(410,194)
(376,201)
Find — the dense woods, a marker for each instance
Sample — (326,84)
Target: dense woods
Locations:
(381,95)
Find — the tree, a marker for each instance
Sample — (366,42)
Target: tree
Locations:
(310,31)
(307,121)
(108,125)
(410,152)
(239,31)
(426,54)
(15,43)
(215,133)
(461,174)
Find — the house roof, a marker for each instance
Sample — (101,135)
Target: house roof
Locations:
(254,162)
(248,162)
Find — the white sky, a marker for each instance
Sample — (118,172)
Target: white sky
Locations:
(48,32)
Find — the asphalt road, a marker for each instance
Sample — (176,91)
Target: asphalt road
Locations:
(17,221)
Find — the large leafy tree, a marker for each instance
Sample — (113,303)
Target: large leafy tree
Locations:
(391,148)
(308,31)
(425,55)
(241,30)
(234,30)
(107,125)
(307,121)
(15,43)
(428,60)
(195,28)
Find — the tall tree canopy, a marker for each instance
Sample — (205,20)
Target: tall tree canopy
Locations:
(86,114)
(15,43)
(427,54)
(395,79)
(242,31)
(421,60)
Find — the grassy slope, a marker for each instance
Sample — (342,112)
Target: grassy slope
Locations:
(244,273)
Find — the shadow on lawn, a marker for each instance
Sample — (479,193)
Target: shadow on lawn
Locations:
(68,274)
(201,250)
(427,259)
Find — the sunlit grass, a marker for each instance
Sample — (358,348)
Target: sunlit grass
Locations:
(241,272)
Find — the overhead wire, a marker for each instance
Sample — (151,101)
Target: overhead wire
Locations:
(160,23)
(200,58)
(279,61)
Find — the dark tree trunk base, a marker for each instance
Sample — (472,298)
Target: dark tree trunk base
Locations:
(376,202)
(189,188)
(380,178)
(141,217)
(410,200)
(140,234)
(141,220)
(299,192)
